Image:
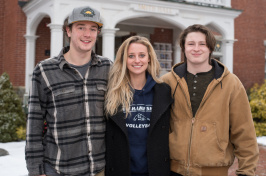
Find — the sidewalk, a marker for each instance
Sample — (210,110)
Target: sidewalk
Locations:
(261,167)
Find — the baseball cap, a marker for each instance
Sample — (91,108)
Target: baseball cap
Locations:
(85,13)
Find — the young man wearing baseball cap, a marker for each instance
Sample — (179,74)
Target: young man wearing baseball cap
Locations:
(68,92)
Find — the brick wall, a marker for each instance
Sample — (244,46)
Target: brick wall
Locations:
(249,50)
(13,42)
(20,56)
(43,41)
(2,8)
(162,35)
(9,39)
(13,47)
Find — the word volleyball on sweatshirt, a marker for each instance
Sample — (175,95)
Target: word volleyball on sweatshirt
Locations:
(140,116)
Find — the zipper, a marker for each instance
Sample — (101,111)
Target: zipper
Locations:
(190,141)
(193,121)
(191,131)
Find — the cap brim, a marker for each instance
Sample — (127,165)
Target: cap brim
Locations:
(99,24)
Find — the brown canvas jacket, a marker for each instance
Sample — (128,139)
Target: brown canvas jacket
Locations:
(221,129)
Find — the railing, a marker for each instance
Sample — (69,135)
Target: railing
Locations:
(215,3)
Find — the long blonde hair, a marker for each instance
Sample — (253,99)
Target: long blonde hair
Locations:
(119,91)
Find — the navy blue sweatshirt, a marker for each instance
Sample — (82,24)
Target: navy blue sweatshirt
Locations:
(138,124)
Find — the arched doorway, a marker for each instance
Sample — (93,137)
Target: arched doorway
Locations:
(162,35)
(43,41)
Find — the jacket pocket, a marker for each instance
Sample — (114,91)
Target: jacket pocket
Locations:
(206,149)
(179,141)
(101,87)
(64,91)
(66,101)
(96,99)
(100,94)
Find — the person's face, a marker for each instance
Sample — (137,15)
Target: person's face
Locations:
(196,49)
(138,59)
(83,36)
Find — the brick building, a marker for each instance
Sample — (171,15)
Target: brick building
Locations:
(31,31)
(249,50)
(12,41)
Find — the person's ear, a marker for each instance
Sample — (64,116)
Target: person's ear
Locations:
(68,30)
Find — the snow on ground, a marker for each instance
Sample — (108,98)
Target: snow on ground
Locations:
(262,140)
(14,164)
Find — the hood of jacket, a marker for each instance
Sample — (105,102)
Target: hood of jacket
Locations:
(179,70)
(146,90)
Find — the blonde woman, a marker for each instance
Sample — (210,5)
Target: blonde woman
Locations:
(138,111)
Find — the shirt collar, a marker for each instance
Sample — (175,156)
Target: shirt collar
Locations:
(95,60)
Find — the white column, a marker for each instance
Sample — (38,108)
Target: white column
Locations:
(56,39)
(30,59)
(227,3)
(228,48)
(177,54)
(108,46)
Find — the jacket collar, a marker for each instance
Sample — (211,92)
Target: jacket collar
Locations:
(161,102)
(119,119)
(218,69)
(181,69)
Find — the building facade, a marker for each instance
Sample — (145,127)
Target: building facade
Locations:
(35,32)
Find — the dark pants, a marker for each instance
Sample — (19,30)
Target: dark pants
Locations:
(50,171)
(174,174)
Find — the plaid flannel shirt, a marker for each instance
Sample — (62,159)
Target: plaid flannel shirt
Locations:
(73,106)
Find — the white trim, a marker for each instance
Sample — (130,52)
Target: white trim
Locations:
(30,59)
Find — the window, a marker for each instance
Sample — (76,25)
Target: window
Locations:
(217,53)
(164,55)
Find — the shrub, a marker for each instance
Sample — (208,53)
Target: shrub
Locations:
(11,113)
(258,107)
(21,132)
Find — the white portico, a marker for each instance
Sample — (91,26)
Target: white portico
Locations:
(120,16)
